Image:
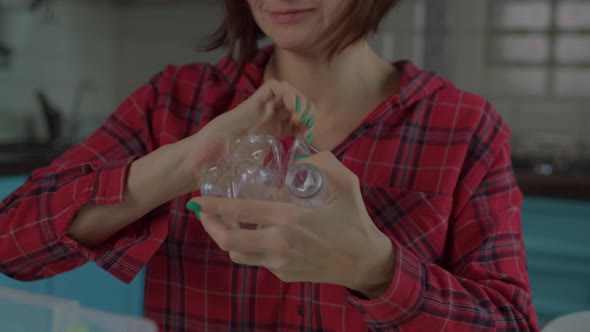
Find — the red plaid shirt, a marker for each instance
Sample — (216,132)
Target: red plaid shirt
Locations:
(434,166)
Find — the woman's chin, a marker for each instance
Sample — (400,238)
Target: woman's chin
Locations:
(295,46)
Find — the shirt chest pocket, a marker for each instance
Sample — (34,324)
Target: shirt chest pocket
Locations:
(417,221)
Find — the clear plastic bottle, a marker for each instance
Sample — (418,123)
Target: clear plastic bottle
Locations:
(256,167)
(307,184)
(252,169)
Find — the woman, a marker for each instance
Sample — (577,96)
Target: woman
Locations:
(422,232)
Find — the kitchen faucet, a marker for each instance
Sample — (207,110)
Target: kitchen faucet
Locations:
(59,136)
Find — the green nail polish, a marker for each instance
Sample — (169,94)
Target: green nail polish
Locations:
(297,105)
(303,156)
(309,137)
(310,122)
(304,117)
(195,207)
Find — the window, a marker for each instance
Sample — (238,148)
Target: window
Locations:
(546,39)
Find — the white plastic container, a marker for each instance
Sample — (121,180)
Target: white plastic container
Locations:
(27,312)
(100,321)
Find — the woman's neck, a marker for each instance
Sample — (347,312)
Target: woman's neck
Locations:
(353,76)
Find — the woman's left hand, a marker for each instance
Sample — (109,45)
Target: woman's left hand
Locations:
(336,243)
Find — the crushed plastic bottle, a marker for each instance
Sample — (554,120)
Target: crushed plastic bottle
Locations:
(257,167)
(305,182)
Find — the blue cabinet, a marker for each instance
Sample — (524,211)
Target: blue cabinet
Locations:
(558,248)
(89,285)
(9,184)
(95,288)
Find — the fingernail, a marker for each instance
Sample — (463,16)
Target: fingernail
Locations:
(195,207)
(297,104)
(304,117)
(310,122)
(303,156)
(309,137)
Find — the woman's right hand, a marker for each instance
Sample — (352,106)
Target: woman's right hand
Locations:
(276,109)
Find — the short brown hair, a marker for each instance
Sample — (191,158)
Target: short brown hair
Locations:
(239,29)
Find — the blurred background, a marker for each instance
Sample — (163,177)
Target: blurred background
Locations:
(65,65)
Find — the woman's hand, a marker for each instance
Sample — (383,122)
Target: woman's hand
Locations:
(276,108)
(336,243)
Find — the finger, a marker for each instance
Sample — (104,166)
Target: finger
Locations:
(307,125)
(282,101)
(216,229)
(270,110)
(256,212)
(296,103)
(259,259)
(300,110)
(276,263)
(237,239)
(250,259)
(269,91)
(300,106)
(283,267)
(292,99)
(303,118)
(275,113)
(285,92)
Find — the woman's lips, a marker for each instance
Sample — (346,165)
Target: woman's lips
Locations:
(289,16)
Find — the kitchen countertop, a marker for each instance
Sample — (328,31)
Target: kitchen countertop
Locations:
(19,159)
(22,167)
(555,186)
(552,177)
(23,159)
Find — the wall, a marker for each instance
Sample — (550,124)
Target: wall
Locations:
(100,50)
(55,51)
(151,36)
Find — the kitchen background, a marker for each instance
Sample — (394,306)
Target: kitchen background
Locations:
(65,65)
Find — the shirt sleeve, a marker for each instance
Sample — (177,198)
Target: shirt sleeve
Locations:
(35,219)
(483,283)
